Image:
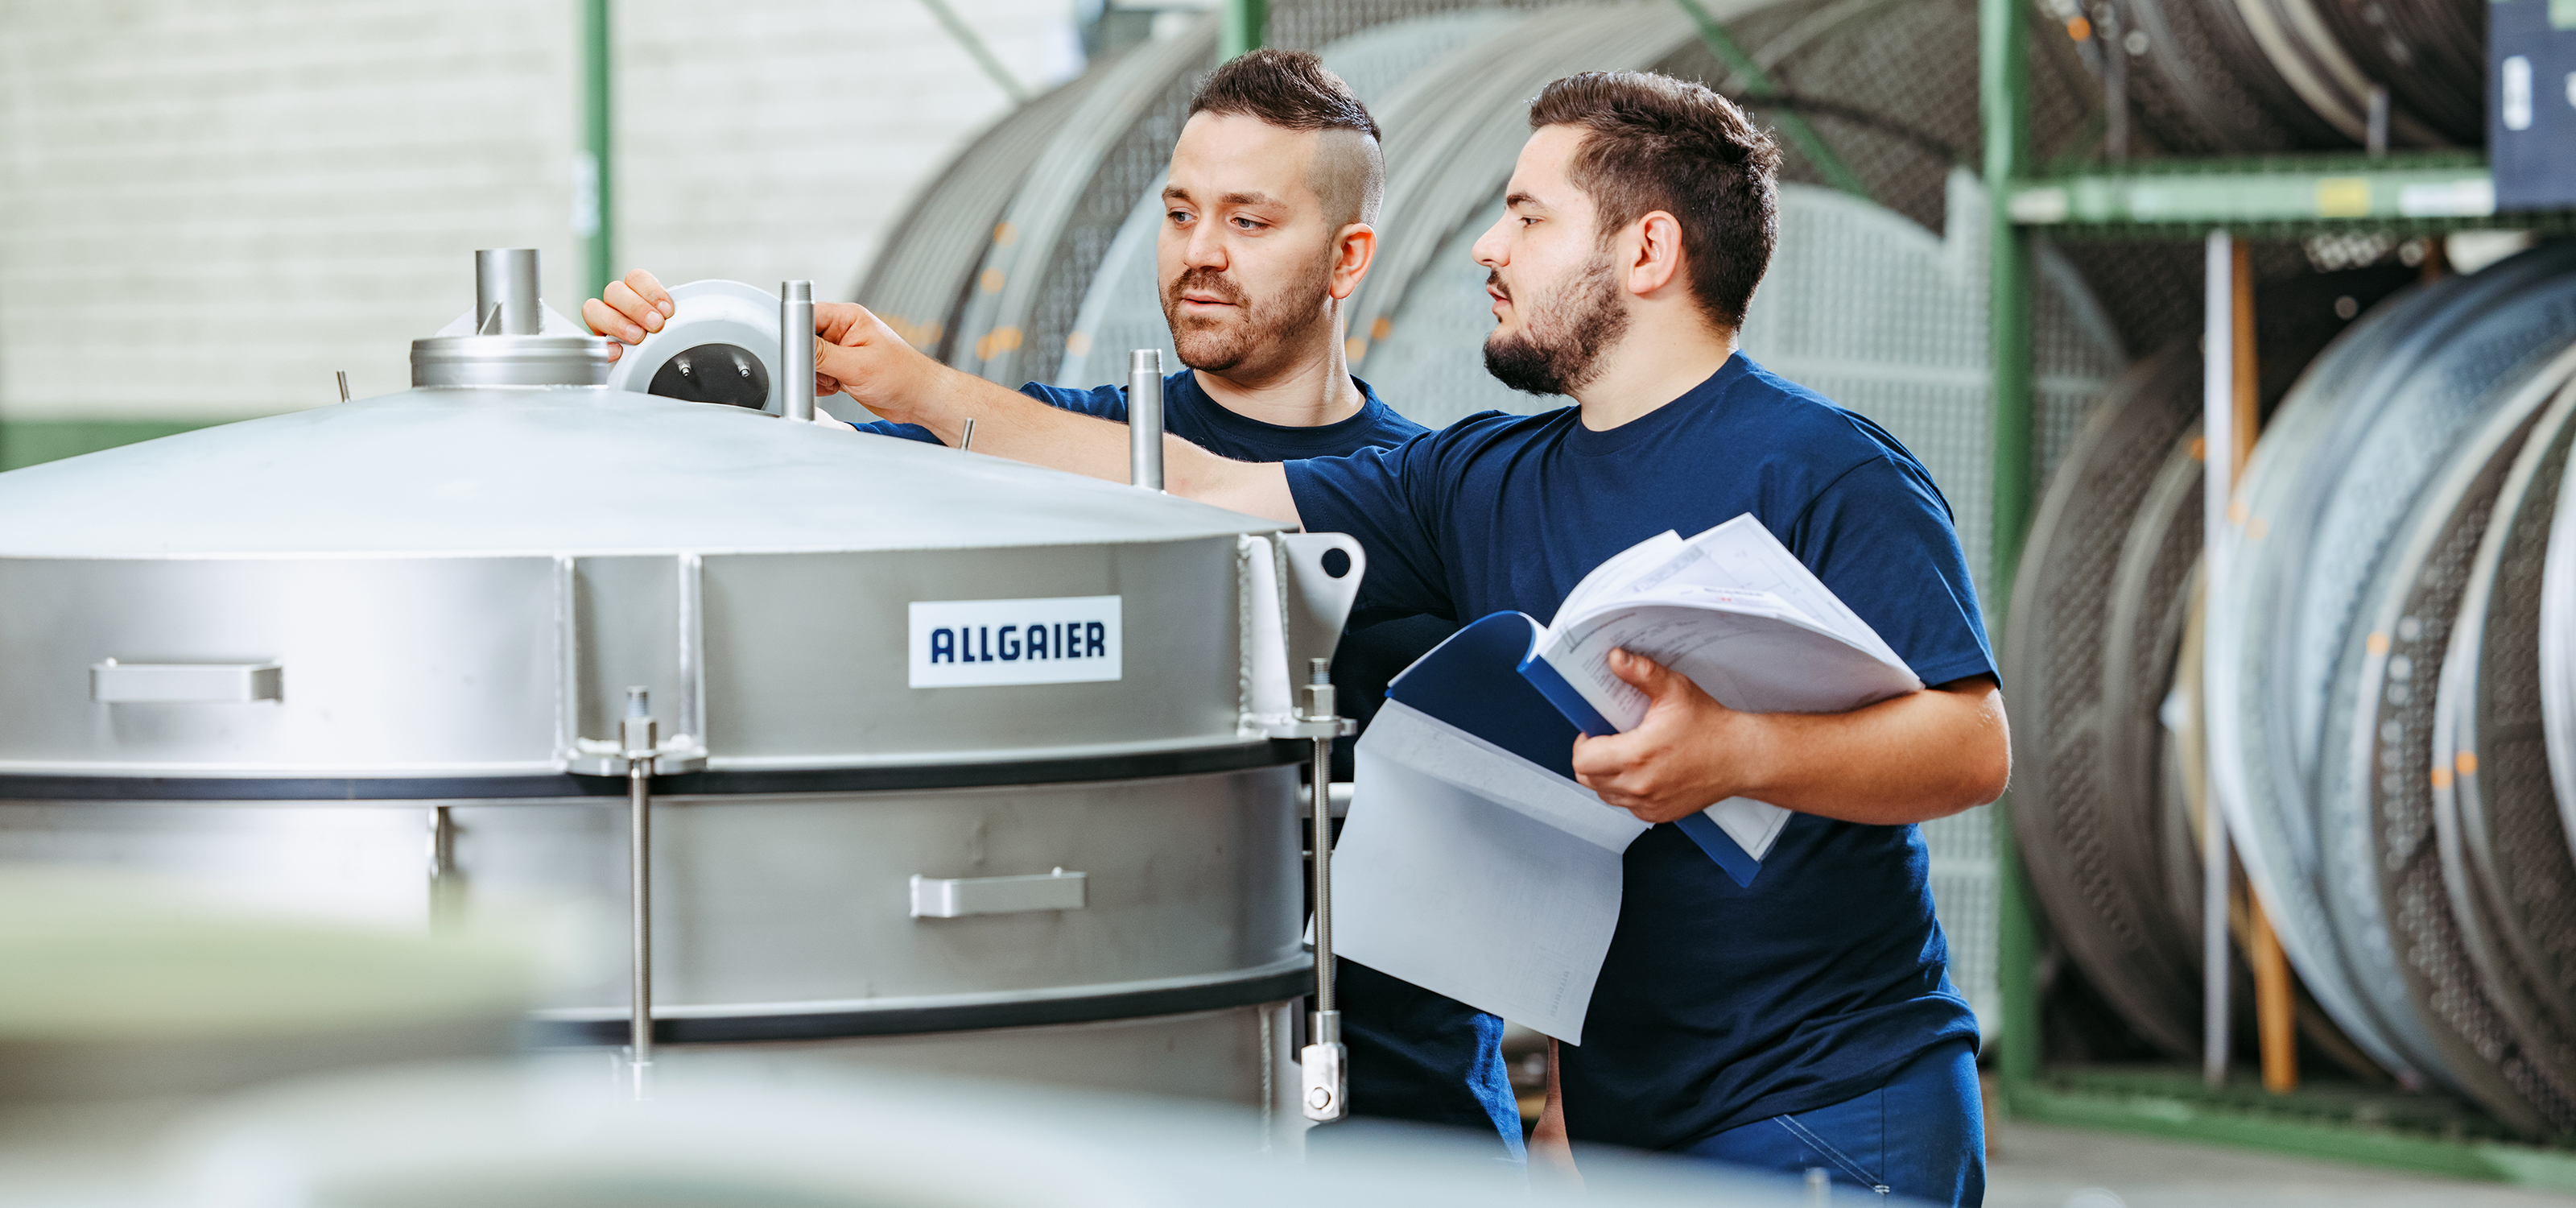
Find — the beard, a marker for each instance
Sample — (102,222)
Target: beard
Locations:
(1276,324)
(1563,336)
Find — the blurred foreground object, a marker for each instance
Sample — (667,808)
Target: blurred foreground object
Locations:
(722,1134)
(123,987)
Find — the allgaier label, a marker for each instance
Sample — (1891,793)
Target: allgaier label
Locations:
(982,643)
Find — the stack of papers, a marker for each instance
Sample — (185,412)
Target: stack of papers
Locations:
(1473,864)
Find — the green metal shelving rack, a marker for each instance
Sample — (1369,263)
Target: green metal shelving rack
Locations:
(2268,198)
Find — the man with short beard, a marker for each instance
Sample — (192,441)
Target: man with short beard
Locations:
(1805,1021)
(1270,194)
(1273,185)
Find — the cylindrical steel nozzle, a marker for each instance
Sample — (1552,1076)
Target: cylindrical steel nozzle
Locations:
(1145,418)
(796,349)
(638,732)
(505,292)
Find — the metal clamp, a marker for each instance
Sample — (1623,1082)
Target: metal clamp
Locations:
(640,735)
(1320,581)
(1324,1092)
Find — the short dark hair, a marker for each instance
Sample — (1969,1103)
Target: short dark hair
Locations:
(1293,90)
(1652,143)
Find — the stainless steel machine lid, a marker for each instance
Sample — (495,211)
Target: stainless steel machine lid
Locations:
(580,470)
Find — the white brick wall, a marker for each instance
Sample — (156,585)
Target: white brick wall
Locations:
(783,142)
(207,207)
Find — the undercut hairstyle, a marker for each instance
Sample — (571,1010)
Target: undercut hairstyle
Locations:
(1293,90)
(1652,142)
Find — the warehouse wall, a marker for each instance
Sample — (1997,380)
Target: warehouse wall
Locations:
(206,208)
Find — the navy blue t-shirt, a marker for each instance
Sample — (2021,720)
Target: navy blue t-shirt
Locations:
(1414,1055)
(1718,1004)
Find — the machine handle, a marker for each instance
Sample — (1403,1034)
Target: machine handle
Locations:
(957,897)
(1324,1082)
(112,682)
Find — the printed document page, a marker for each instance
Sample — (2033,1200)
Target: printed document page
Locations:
(1744,648)
(1741,555)
(1736,612)
(1470,871)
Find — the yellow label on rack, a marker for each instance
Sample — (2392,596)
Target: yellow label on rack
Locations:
(2343,197)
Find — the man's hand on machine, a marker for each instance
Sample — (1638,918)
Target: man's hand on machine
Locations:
(637,306)
(629,310)
(861,357)
(874,366)
(1910,758)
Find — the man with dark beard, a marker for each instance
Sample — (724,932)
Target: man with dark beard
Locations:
(1805,1021)
(1272,188)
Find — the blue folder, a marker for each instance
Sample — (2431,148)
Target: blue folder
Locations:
(1488,680)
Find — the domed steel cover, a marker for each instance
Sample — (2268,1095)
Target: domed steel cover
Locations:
(461,582)
(561,471)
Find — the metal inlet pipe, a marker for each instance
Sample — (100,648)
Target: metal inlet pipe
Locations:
(796,349)
(1325,1078)
(1327,1009)
(1145,418)
(639,856)
(505,292)
(641,736)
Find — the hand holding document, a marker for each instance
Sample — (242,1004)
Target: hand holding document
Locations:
(1473,864)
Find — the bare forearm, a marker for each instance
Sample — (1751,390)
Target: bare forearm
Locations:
(1917,757)
(1013,425)
(885,375)
(1910,759)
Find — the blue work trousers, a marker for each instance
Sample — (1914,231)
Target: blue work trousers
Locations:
(1921,1136)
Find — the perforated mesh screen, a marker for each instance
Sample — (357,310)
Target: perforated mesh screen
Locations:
(2091,847)
(919,281)
(2465,1036)
(2507,860)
